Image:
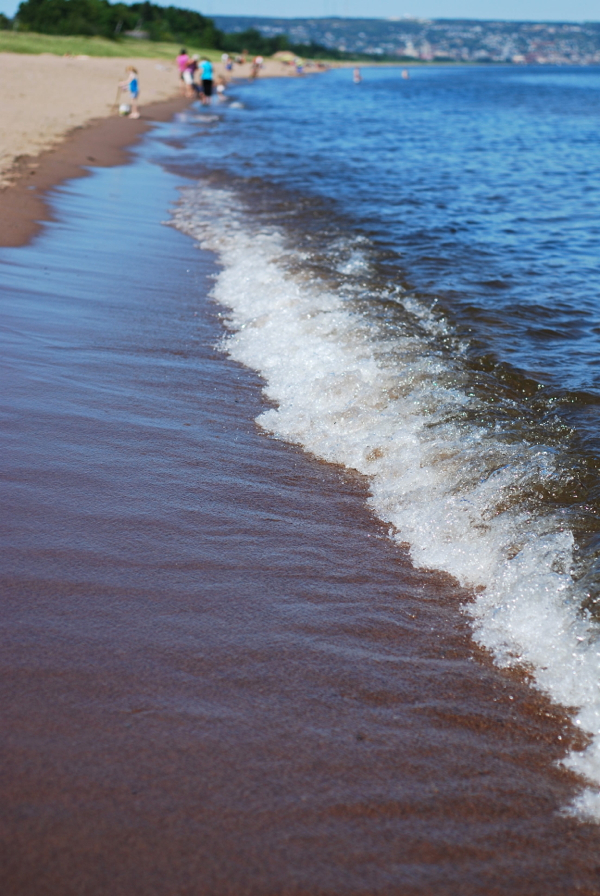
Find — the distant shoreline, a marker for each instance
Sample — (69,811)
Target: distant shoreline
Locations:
(52,135)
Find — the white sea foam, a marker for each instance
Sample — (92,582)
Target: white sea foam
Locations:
(397,410)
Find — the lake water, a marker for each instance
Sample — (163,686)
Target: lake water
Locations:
(413,267)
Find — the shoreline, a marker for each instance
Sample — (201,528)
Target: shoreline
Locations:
(92,141)
(100,143)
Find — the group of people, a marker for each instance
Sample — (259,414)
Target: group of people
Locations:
(188,67)
(241,59)
(196,76)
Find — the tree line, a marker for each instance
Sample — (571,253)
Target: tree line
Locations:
(101,18)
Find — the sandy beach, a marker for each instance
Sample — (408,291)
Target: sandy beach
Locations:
(45,97)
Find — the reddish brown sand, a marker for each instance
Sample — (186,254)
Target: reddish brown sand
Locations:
(99,143)
(218,675)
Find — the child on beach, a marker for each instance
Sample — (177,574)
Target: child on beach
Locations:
(221,86)
(132,84)
(257,64)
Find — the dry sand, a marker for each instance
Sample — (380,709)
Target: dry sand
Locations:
(44,97)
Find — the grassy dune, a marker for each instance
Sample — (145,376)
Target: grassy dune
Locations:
(26,42)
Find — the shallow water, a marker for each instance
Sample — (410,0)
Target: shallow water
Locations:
(413,268)
(218,673)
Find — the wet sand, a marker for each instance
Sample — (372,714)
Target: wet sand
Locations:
(219,676)
(98,143)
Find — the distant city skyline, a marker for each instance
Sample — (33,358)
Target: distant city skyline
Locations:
(510,10)
(442,40)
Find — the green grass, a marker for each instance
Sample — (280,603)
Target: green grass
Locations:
(28,42)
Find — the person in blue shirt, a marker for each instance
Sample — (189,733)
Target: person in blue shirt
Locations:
(206,74)
(132,84)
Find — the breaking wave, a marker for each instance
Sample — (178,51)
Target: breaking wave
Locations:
(467,464)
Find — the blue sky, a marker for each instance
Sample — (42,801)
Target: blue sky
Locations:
(536,10)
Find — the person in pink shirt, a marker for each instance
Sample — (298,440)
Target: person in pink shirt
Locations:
(182,62)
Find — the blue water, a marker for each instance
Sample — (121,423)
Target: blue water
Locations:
(413,267)
(478,190)
(484,181)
